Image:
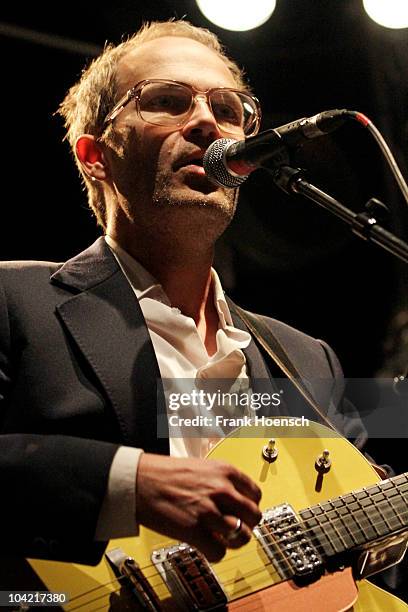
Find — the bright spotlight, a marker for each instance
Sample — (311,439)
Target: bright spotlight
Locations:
(389,13)
(237,15)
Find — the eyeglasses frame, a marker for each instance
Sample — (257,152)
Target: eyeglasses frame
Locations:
(134,93)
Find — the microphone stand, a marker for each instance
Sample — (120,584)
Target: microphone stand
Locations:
(364,224)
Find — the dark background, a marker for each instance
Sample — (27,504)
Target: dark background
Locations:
(282,256)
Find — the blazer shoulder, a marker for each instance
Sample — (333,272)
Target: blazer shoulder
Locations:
(283,329)
(24,281)
(313,352)
(21,266)
(21,269)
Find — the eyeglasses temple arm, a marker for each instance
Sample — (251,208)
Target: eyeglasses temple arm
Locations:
(121,105)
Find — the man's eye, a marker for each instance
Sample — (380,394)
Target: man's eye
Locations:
(164,102)
(229,113)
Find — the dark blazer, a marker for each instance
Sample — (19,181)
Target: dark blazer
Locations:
(78,377)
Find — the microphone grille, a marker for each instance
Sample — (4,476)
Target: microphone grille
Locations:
(215,165)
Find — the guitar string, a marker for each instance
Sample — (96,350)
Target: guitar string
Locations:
(87,603)
(339,521)
(319,547)
(239,556)
(102,607)
(94,590)
(163,585)
(232,559)
(237,593)
(117,580)
(310,530)
(160,583)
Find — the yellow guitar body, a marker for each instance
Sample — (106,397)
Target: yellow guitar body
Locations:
(247,572)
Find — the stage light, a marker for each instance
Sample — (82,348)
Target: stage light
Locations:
(388,13)
(237,15)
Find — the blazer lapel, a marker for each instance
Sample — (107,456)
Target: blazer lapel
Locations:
(104,318)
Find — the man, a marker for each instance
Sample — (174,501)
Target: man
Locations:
(80,356)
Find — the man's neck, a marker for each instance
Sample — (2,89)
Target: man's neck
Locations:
(185,275)
(192,291)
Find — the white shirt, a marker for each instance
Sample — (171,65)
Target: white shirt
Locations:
(182,356)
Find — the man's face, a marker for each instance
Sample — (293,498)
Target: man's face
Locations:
(152,166)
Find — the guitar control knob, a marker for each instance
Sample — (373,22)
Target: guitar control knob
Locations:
(269,451)
(323,463)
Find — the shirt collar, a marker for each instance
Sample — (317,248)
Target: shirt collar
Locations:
(145,285)
(142,282)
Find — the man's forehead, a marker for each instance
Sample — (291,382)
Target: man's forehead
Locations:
(172,57)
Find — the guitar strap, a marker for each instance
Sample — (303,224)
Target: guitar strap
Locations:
(275,350)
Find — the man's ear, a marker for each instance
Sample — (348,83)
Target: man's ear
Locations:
(91,157)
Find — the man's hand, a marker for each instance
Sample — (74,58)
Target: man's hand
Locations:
(196,501)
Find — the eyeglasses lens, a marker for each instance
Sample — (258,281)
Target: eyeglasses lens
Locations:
(170,103)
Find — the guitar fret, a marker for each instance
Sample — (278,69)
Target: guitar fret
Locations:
(374,516)
(361,494)
(386,484)
(401,479)
(347,524)
(387,502)
(327,544)
(319,537)
(340,541)
(391,517)
(359,522)
(401,508)
(368,530)
(359,517)
(325,535)
(382,510)
(345,533)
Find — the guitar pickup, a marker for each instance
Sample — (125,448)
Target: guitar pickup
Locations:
(287,544)
(189,578)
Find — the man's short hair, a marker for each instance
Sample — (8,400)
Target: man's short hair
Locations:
(88,102)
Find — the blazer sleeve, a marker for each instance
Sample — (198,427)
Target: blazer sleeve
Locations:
(52,486)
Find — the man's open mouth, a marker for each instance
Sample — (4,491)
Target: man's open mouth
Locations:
(189,161)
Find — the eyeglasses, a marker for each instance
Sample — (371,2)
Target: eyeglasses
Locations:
(170,103)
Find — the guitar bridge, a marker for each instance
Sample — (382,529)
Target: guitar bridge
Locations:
(190,579)
(288,545)
(126,567)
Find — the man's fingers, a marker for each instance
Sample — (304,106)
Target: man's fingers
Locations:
(235,504)
(198,501)
(212,546)
(230,528)
(245,485)
(234,533)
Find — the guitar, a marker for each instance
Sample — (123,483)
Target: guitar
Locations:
(313,542)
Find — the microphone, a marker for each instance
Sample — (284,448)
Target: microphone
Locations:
(228,162)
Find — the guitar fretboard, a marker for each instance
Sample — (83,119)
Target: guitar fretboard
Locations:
(360,517)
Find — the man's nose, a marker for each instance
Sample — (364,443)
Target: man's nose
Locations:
(201,124)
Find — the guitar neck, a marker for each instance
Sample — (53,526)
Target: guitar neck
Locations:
(360,517)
